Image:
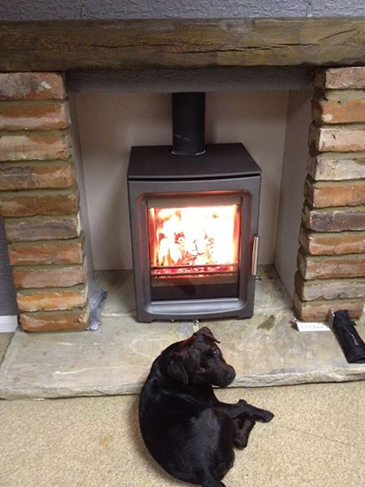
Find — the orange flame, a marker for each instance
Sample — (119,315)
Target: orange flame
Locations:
(201,235)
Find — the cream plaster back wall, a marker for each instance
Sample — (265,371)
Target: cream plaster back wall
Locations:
(292,189)
(110,124)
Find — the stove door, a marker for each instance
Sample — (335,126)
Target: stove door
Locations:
(194,247)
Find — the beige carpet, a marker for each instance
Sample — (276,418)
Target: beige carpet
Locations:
(315,440)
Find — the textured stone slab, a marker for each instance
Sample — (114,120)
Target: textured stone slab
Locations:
(113,360)
(120,287)
(268,350)
(265,350)
(270,293)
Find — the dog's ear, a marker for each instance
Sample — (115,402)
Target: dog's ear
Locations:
(207,333)
(177,371)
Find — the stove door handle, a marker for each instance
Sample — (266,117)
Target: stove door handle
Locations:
(255,254)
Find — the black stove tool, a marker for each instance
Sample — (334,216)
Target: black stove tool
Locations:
(351,343)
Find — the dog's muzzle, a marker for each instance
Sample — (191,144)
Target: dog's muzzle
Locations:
(227,378)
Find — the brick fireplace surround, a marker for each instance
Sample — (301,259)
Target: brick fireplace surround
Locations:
(39,200)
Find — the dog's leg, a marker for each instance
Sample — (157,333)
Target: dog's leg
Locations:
(213,483)
(233,410)
(242,408)
(242,431)
(255,413)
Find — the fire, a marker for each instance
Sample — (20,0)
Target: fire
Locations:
(194,236)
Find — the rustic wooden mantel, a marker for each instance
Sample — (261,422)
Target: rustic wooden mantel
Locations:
(183,43)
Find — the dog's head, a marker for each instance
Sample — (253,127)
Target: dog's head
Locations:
(198,360)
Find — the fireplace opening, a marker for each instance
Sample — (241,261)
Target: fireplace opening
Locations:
(194,222)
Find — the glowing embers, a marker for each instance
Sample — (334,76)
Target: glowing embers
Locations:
(197,245)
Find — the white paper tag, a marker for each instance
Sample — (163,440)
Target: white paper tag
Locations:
(8,324)
(311,326)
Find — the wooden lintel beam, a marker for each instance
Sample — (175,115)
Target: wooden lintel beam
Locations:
(183,43)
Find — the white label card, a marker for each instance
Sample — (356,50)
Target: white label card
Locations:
(311,326)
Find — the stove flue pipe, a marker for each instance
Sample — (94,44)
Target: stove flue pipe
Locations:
(188,124)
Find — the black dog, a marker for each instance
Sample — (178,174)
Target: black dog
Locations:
(186,429)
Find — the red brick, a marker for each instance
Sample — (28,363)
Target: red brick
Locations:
(42,228)
(338,111)
(39,321)
(31,86)
(334,219)
(42,146)
(337,138)
(318,310)
(337,167)
(329,288)
(47,252)
(42,276)
(351,78)
(328,267)
(34,117)
(51,299)
(39,202)
(37,175)
(333,243)
(327,194)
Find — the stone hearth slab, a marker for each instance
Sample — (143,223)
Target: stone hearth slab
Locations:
(265,350)
(270,294)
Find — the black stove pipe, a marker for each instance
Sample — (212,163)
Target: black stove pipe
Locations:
(188,124)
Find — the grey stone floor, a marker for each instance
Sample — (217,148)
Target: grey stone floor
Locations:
(5,339)
(265,350)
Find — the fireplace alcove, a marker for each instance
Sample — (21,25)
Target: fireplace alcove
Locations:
(296,55)
(250,117)
(268,110)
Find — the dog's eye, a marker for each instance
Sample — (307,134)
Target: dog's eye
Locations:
(201,370)
(215,352)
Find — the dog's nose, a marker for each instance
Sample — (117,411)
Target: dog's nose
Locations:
(231,375)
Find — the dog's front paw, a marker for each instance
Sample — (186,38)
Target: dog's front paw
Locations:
(266,416)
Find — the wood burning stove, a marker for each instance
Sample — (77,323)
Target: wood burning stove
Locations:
(194,222)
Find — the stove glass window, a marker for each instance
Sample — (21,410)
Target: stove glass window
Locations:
(194,247)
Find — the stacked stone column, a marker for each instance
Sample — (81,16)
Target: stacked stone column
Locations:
(331,259)
(39,201)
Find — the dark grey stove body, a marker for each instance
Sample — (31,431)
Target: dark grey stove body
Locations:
(179,276)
